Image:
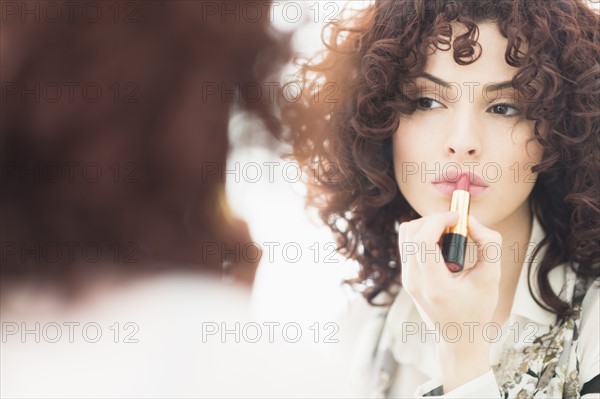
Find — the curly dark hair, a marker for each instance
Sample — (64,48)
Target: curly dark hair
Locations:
(377,51)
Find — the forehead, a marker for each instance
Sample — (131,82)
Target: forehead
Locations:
(489,67)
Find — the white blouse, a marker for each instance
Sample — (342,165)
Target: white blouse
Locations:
(393,351)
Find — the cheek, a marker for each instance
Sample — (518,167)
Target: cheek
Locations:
(529,149)
(517,150)
(516,158)
(407,143)
(409,153)
(530,155)
(534,151)
(406,158)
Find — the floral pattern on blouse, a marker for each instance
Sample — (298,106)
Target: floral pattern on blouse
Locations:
(547,367)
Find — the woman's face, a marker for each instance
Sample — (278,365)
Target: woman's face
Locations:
(463,124)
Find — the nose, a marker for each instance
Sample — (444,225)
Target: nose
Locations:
(463,139)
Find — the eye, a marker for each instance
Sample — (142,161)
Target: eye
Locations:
(505,110)
(426,103)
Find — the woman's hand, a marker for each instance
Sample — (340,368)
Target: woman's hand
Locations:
(459,304)
(446,297)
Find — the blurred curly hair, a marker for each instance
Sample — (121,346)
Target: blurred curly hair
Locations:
(155,208)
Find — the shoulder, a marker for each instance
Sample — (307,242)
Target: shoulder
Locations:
(360,323)
(360,326)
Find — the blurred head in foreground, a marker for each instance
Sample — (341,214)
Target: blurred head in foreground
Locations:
(114,136)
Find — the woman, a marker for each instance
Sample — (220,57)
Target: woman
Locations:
(414,96)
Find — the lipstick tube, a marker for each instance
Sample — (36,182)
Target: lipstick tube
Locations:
(454,241)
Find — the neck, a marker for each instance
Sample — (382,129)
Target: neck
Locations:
(516,233)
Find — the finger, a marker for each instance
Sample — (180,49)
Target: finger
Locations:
(418,244)
(411,234)
(433,226)
(430,260)
(409,272)
(416,224)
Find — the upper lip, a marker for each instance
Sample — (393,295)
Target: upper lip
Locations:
(452,176)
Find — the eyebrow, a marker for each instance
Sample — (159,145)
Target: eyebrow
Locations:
(488,87)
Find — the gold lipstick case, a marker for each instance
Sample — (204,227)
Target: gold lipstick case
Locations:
(454,242)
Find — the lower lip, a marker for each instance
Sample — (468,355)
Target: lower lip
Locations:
(447,188)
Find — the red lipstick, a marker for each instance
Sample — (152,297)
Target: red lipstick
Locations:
(454,242)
